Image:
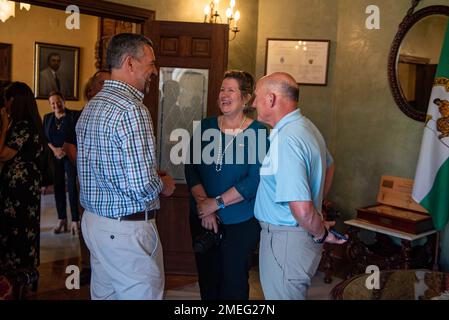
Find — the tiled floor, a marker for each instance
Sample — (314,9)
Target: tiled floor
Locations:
(60,250)
(55,246)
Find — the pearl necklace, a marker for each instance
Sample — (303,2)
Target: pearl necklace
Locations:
(220,154)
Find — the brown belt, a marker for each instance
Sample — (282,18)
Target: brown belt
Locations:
(138,216)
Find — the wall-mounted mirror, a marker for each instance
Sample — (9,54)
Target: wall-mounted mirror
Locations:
(414,57)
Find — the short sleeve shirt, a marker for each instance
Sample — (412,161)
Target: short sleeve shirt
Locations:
(293,170)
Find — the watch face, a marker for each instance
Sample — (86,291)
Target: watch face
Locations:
(220,202)
(326,233)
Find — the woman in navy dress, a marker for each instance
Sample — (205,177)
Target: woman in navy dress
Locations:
(59,126)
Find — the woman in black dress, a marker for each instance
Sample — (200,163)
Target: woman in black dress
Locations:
(21,144)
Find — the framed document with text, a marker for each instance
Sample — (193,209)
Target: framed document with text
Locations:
(306,60)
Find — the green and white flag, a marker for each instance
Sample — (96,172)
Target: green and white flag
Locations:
(431,186)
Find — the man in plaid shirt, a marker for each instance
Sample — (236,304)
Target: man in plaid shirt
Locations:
(119,184)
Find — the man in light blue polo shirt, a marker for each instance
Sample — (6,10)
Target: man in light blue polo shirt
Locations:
(290,193)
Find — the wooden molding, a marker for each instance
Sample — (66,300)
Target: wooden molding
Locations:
(101,9)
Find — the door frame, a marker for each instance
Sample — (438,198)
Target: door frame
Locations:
(103,9)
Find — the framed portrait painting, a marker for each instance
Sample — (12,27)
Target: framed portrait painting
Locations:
(56,68)
(306,60)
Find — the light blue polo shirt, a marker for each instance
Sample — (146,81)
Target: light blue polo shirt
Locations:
(293,170)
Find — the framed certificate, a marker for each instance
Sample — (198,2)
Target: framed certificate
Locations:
(306,60)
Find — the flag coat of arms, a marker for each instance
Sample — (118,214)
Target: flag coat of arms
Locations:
(431,186)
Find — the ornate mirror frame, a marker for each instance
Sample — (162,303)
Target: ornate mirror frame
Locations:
(407,23)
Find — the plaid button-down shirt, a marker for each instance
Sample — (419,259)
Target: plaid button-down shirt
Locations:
(116,153)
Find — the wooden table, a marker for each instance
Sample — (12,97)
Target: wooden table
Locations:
(362,255)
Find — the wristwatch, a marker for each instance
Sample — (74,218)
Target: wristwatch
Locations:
(319,241)
(220,202)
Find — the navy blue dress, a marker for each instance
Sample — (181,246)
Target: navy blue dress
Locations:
(57,132)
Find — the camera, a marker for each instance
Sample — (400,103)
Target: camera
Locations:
(208,239)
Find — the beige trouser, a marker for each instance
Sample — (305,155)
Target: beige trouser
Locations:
(288,259)
(85,254)
(126,258)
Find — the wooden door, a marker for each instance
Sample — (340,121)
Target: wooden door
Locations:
(190,56)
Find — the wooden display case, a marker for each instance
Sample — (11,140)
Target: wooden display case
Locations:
(396,209)
(397,221)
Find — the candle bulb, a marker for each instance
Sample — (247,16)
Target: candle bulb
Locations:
(228,13)
(206,12)
(236,19)
(212,15)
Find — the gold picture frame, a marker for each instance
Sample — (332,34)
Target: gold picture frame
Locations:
(56,68)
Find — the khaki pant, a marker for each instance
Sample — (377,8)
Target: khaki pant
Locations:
(85,254)
(126,258)
(288,260)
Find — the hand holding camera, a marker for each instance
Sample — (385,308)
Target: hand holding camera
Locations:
(210,223)
(211,237)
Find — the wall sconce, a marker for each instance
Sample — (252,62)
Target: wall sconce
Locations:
(8,9)
(211,15)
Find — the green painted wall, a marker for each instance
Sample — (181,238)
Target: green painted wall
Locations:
(299,20)
(372,137)
(367,133)
(242,50)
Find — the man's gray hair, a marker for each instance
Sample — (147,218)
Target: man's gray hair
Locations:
(124,44)
(291,92)
(286,88)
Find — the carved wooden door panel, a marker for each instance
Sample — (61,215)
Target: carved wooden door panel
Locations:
(192,58)
(107,28)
